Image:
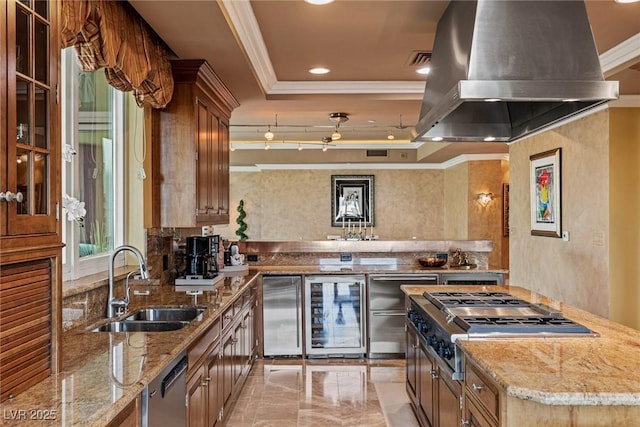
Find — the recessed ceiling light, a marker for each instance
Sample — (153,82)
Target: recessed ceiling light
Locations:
(318,2)
(319,70)
(570,100)
(423,70)
(627,1)
(492,100)
(436,139)
(489,139)
(371,121)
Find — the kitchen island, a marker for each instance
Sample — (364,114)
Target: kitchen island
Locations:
(538,381)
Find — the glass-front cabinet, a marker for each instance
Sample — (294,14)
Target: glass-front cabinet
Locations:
(31,122)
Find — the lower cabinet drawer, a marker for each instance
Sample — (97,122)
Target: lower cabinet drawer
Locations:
(199,348)
(481,389)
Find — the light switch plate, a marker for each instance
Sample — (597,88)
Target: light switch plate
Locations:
(565,236)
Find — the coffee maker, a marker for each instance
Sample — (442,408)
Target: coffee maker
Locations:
(202,256)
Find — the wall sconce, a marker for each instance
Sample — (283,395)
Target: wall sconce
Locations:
(484,199)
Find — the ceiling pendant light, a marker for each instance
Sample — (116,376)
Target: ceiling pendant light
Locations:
(336,135)
(268,134)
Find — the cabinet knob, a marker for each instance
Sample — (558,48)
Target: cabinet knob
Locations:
(464,422)
(477,387)
(10,197)
(228,316)
(434,373)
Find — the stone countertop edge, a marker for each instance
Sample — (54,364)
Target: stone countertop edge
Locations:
(369,269)
(86,369)
(550,370)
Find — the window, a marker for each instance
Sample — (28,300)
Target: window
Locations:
(92,129)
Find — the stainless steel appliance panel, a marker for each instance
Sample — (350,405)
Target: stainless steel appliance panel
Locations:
(472,279)
(282,315)
(385,292)
(387,312)
(164,401)
(335,321)
(388,337)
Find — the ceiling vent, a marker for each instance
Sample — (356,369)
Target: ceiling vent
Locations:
(419,58)
(377,153)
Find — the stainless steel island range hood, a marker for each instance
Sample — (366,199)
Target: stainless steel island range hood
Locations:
(501,70)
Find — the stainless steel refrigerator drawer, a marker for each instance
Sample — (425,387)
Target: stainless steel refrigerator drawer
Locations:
(386,336)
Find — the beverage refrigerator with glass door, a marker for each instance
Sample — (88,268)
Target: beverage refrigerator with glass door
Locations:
(334,316)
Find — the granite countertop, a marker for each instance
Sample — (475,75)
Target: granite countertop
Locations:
(347,268)
(560,371)
(103,372)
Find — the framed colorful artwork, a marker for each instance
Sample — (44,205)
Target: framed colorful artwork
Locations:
(545,194)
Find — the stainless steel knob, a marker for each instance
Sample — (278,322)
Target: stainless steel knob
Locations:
(477,387)
(10,197)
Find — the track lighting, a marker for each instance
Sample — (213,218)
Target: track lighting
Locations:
(299,147)
(268,134)
(336,135)
(324,147)
(390,136)
(266,146)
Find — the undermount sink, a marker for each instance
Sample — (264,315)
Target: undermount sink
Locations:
(152,319)
(166,314)
(139,326)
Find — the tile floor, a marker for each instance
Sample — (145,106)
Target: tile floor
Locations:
(324,392)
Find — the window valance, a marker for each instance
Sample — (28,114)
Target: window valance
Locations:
(111,35)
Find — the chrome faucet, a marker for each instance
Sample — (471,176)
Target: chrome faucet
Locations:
(118,306)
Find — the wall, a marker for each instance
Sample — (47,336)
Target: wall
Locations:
(134,156)
(296,204)
(624,229)
(576,271)
(465,218)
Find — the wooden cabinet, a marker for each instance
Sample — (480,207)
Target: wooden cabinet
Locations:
(189,183)
(30,239)
(481,398)
(219,363)
(129,416)
(434,396)
(30,154)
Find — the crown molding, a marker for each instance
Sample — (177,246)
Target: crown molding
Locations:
(259,167)
(620,56)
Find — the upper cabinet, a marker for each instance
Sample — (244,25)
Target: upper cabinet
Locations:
(189,185)
(29,119)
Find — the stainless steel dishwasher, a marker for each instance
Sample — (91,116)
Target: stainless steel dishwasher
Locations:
(164,399)
(387,312)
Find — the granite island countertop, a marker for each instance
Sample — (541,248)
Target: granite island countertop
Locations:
(103,371)
(587,371)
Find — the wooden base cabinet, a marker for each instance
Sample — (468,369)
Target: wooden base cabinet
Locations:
(219,363)
(434,396)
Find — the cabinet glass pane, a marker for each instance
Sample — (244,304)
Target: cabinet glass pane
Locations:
(22,42)
(42,8)
(40,51)
(23,178)
(22,112)
(40,188)
(40,131)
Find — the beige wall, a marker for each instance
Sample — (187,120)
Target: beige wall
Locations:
(456,201)
(624,198)
(425,204)
(576,271)
(296,204)
(134,153)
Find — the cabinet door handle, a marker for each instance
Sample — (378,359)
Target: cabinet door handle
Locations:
(208,379)
(464,422)
(477,387)
(434,373)
(228,316)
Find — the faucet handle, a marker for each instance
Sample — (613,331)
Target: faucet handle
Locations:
(119,306)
